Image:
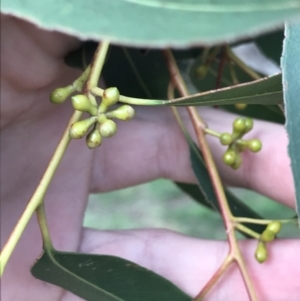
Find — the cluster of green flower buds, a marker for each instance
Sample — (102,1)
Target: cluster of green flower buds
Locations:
(273,228)
(100,120)
(236,145)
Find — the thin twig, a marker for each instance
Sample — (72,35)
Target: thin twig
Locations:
(262,221)
(232,56)
(200,126)
(130,100)
(41,217)
(248,231)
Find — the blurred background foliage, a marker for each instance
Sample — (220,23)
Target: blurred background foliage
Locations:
(161,204)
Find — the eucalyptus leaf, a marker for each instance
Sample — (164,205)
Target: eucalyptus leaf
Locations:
(291,85)
(268,113)
(103,277)
(266,91)
(195,193)
(153,22)
(209,81)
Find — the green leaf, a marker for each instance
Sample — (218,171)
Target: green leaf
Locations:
(155,22)
(271,45)
(291,86)
(208,82)
(267,91)
(105,278)
(194,192)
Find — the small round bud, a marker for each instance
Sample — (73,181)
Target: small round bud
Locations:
(82,103)
(241,106)
(239,125)
(249,124)
(124,112)
(238,162)
(59,95)
(108,128)
(80,128)
(254,145)
(93,139)
(110,96)
(229,157)
(225,138)
(261,253)
(274,226)
(201,71)
(267,236)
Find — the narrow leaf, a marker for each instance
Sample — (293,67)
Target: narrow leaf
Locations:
(266,91)
(291,86)
(194,192)
(105,278)
(153,22)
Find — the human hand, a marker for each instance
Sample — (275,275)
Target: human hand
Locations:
(149,147)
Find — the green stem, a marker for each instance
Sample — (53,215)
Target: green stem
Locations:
(130,100)
(38,196)
(248,231)
(231,55)
(81,80)
(234,78)
(212,132)
(263,221)
(97,65)
(96,68)
(41,217)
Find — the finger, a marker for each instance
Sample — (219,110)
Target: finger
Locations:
(152,146)
(190,262)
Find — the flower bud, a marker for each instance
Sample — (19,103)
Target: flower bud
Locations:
(80,128)
(261,253)
(59,95)
(82,103)
(108,128)
(225,138)
(267,236)
(254,145)
(274,226)
(124,112)
(241,106)
(201,71)
(239,125)
(229,157)
(249,124)
(93,139)
(110,96)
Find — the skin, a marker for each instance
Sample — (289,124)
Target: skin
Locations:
(152,147)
